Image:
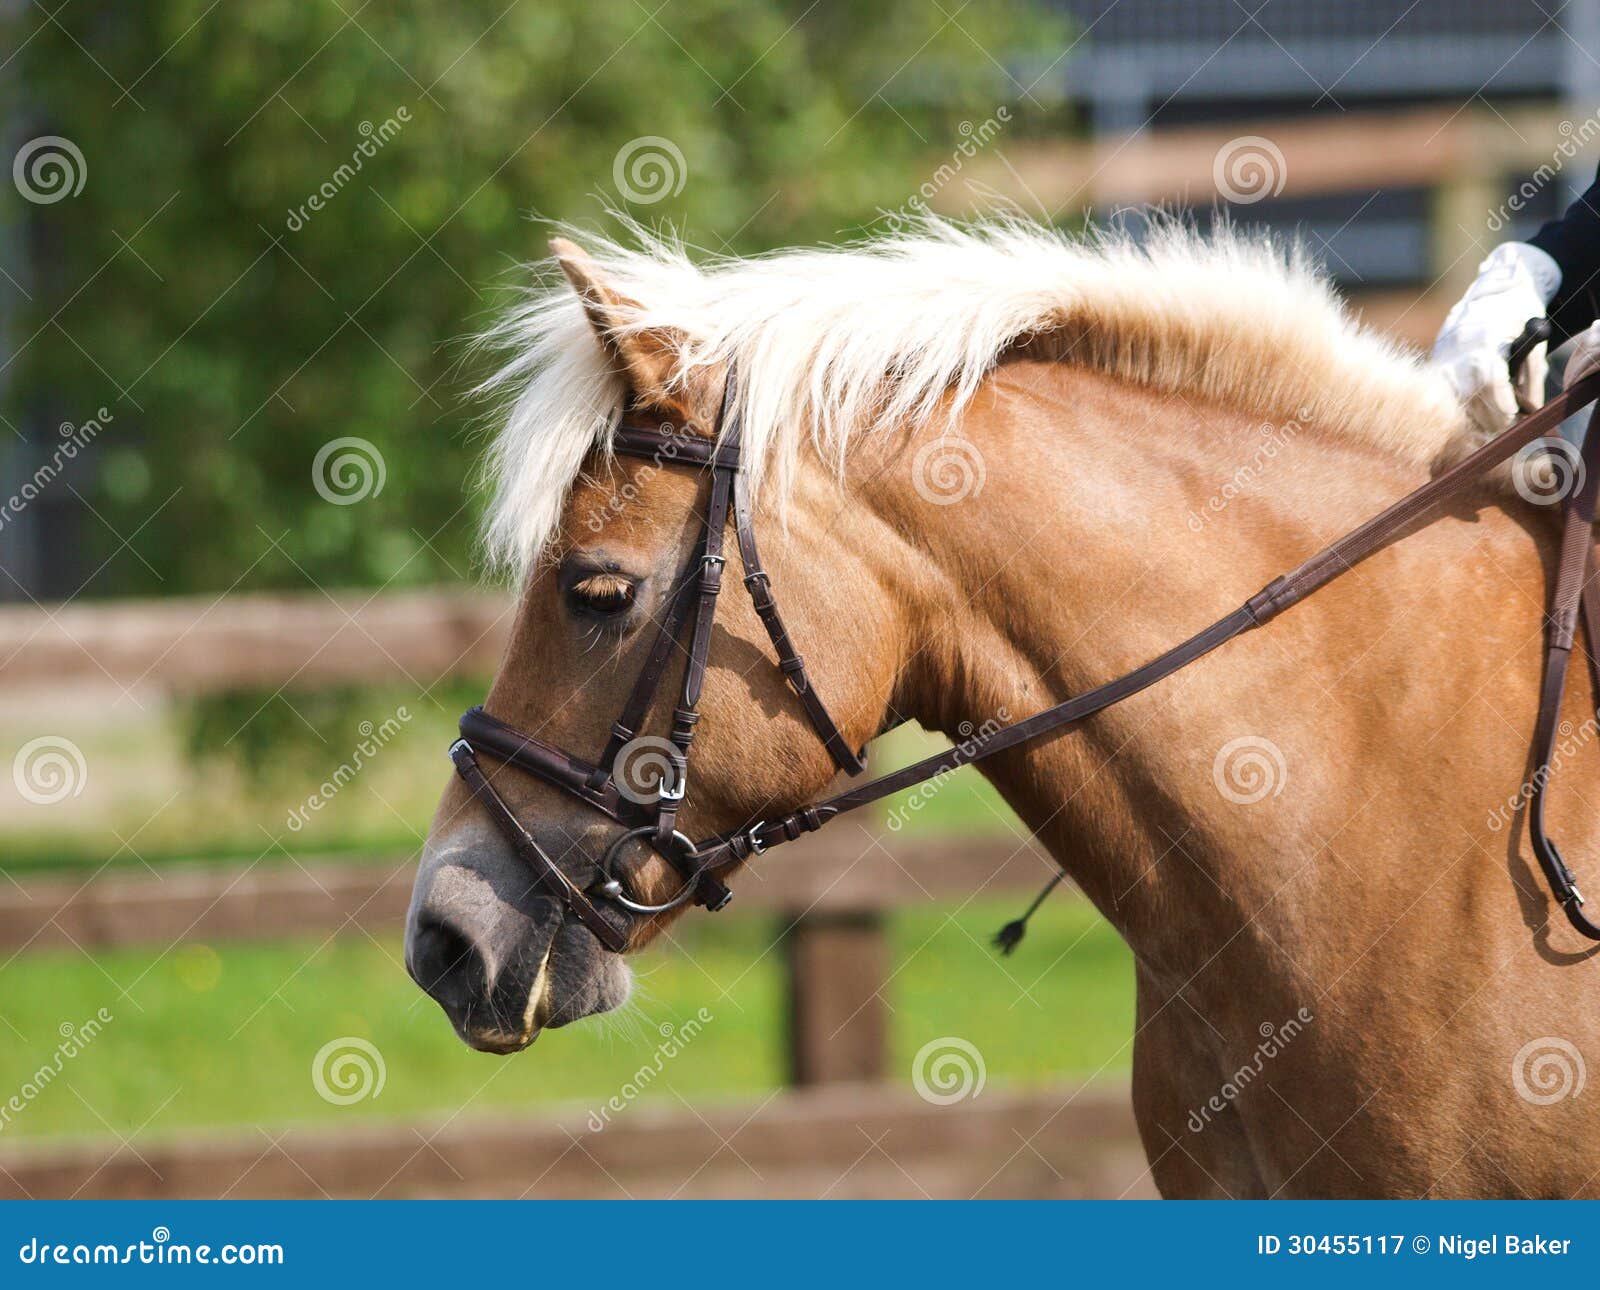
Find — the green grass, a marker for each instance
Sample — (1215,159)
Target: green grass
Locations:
(225,1035)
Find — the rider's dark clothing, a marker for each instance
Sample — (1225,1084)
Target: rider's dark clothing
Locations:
(1573,242)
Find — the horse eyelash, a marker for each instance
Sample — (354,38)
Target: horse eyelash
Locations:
(604,592)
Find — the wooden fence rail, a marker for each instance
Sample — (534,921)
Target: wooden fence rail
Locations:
(193,644)
(832,892)
(842,1141)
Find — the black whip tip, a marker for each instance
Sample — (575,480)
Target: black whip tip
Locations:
(1010,936)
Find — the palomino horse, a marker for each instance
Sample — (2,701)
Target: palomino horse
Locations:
(993,468)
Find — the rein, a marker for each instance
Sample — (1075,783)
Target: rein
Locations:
(692,608)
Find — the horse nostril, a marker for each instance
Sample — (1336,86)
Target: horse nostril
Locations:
(446,965)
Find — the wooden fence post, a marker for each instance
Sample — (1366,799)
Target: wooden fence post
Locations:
(838,966)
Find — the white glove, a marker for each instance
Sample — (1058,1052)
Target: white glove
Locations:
(1516,283)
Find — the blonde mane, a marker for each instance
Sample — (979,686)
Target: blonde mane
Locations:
(835,343)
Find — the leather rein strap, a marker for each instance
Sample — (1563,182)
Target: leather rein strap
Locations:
(1570,598)
(699,862)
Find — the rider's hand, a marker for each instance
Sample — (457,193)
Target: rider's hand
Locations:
(1516,283)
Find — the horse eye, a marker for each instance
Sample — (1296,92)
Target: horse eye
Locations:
(605,595)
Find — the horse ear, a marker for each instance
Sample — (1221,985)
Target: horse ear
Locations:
(644,358)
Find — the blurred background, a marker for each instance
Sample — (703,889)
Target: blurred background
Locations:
(241,249)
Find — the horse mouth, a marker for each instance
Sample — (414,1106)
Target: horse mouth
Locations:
(567,987)
(502,1041)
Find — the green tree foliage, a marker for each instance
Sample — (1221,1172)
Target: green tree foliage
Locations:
(234,330)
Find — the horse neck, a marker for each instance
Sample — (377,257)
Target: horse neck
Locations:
(1112,523)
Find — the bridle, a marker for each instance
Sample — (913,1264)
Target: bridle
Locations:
(691,607)
(605,905)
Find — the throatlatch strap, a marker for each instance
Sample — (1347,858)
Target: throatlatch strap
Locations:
(790,663)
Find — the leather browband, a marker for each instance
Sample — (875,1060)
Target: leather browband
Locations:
(672,445)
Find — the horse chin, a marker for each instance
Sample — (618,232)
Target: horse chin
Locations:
(575,979)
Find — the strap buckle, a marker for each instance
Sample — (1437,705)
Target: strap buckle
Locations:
(673,792)
(752,838)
